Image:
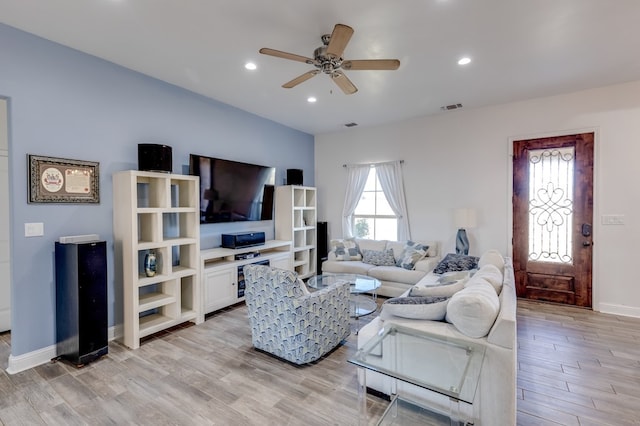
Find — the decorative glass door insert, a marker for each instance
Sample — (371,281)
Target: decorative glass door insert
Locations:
(551,184)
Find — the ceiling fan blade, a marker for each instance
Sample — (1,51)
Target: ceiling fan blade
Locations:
(343,83)
(286,55)
(300,79)
(371,64)
(339,38)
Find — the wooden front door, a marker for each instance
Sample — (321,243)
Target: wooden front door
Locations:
(552,218)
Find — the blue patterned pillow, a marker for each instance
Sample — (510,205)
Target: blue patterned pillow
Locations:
(346,249)
(379,258)
(456,262)
(411,254)
(427,308)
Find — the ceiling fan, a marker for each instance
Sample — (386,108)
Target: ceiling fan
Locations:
(328,59)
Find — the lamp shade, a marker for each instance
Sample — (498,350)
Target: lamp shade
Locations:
(465,218)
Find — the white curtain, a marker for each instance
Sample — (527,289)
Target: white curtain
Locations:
(356,179)
(390,177)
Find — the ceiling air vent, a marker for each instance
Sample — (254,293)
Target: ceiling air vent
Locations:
(352,124)
(450,107)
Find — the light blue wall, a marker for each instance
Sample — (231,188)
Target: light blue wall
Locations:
(67,104)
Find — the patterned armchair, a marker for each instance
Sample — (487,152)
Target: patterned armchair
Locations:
(288,321)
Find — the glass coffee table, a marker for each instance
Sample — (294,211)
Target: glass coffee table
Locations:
(447,366)
(359,303)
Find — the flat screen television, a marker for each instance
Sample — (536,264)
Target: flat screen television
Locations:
(231,191)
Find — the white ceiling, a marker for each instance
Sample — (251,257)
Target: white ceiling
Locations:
(520,49)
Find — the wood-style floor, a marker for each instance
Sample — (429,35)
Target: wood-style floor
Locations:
(576,367)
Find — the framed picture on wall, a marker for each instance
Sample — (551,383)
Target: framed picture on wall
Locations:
(61,180)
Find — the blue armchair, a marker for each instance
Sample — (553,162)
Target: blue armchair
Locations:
(290,322)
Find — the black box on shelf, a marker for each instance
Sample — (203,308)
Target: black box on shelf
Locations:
(243,239)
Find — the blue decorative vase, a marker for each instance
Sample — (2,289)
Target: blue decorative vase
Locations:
(150,264)
(462,242)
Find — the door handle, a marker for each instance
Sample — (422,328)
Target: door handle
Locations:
(587,243)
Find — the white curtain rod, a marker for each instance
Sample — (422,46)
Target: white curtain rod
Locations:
(371,164)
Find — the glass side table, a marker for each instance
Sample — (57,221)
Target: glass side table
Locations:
(359,304)
(444,365)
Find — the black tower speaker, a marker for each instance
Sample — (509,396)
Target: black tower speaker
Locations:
(323,244)
(294,177)
(81,301)
(154,158)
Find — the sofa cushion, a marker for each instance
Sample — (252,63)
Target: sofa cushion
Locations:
(379,258)
(346,249)
(411,254)
(397,247)
(366,244)
(426,308)
(395,274)
(493,257)
(456,262)
(490,273)
(474,309)
(352,267)
(446,289)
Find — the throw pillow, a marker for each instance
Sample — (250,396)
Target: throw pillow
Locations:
(474,309)
(491,274)
(456,262)
(411,254)
(346,249)
(427,308)
(441,290)
(494,257)
(379,258)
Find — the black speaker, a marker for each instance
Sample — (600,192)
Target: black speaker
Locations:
(81,301)
(294,177)
(154,158)
(323,244)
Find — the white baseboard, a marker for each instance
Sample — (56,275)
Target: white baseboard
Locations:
(625,311)
(31,359)
(38,357)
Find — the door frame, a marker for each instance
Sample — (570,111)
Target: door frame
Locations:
(595,270)
(7,126)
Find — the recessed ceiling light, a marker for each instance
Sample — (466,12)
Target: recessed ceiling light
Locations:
(250,66)
(311,99)
(464,61)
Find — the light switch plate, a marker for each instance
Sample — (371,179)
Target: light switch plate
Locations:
(612,219)
(34,229)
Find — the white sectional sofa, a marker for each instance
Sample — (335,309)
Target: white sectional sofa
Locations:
(394,280)
(495,397)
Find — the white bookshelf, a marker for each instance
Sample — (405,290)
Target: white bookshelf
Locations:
(157,212)
(295,220)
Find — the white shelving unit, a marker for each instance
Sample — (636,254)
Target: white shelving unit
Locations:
(157,212)
(296,221)
(221,275)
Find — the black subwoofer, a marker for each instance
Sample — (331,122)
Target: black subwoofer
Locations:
(81,301)
(154,158)
(322,233)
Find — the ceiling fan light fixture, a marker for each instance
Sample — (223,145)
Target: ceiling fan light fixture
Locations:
(327,59)
(312,99)
(250,66)
(464,61)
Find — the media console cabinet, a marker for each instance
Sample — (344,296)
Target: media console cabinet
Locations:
(222,270)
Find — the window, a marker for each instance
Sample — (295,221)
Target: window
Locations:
(373,217)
